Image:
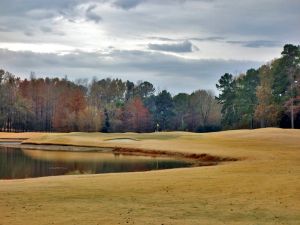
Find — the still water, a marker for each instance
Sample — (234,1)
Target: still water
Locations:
(17,163)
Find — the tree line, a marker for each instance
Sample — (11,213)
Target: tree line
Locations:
(267,96)
(263,97)
(106,105)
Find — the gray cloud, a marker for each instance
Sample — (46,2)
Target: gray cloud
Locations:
(217,18)
(90,15)
(46,29)
(40,14)
(130,4)
(19,7)
(272,19)
(165,39)
(212,39)
(29,33)
(165,71)
(127,4)
(185,46)
(4,29)
(257,43)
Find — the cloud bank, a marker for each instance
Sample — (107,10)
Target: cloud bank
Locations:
(176,44)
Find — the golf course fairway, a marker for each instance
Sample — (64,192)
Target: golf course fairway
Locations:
(261,187)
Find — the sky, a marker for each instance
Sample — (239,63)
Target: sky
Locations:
(178,45)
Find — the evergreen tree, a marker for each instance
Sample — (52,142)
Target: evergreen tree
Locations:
(246,99)
(227,87)
(164,110)
(106,127)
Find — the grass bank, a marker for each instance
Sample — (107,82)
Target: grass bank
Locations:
(263,188)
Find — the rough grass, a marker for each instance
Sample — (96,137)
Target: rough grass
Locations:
(263,188)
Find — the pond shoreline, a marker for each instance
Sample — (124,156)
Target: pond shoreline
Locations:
(23,163)
(201,159)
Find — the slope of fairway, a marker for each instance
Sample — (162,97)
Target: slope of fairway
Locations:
(8,135)
(262,188)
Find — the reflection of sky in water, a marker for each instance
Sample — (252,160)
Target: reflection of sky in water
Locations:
(16,163)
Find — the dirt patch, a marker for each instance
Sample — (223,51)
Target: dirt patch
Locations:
(197,159)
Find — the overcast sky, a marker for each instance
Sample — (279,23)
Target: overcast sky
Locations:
(179,45)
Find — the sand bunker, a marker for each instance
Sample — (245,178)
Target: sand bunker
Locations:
(122,140)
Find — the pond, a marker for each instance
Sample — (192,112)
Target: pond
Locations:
(17,163)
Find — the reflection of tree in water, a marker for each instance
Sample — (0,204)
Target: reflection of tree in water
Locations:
(15,164)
